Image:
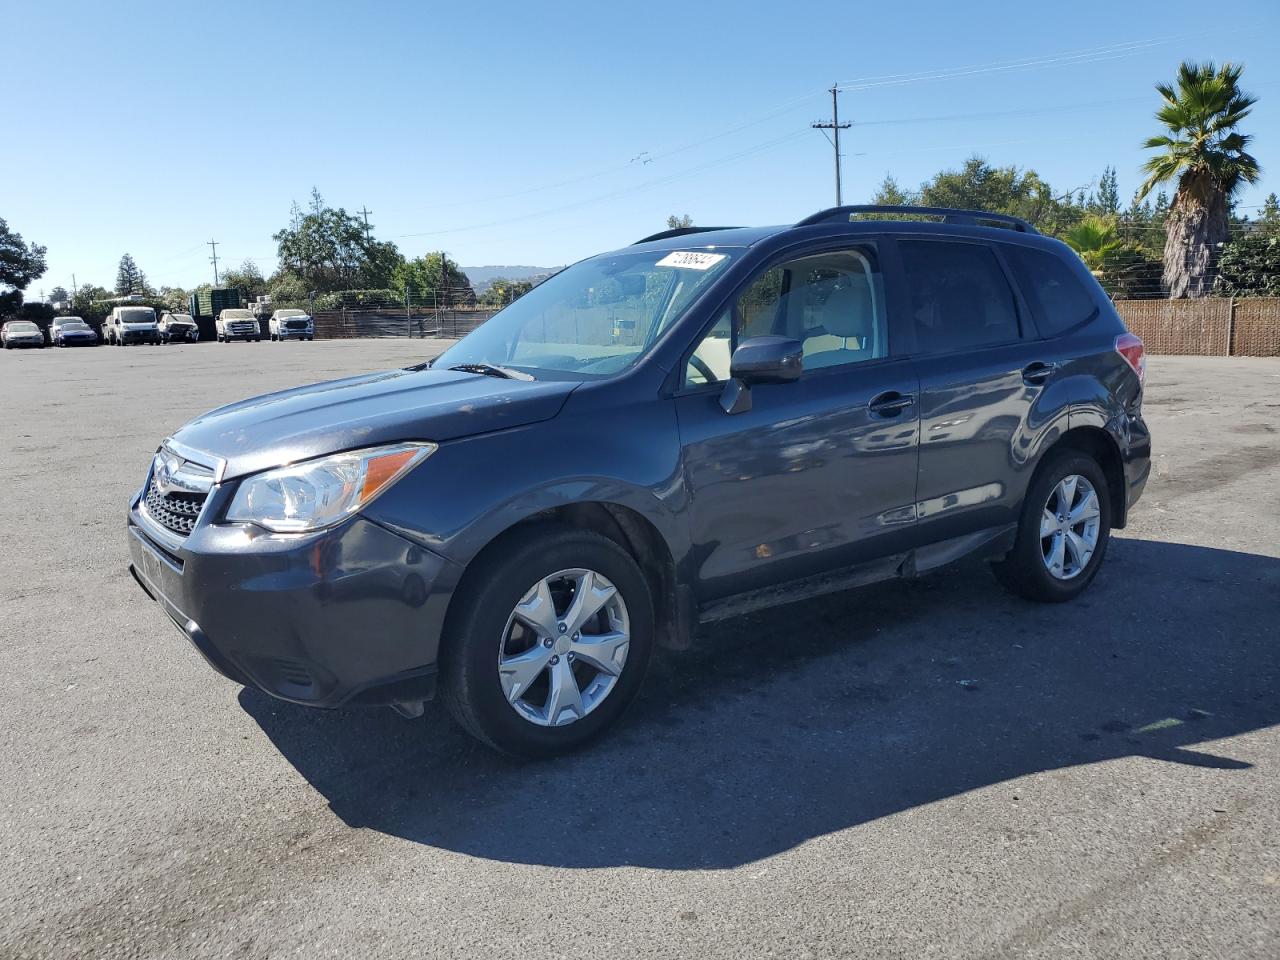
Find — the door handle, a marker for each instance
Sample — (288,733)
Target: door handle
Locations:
(1035,374)
(890,403)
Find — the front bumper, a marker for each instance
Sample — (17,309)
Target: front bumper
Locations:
(188,334)
(138,336)
(24,342)
(244,334)
(348,614)
(295,334)
(73,339)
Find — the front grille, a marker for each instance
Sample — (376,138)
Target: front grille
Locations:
(175,511)
(295,324)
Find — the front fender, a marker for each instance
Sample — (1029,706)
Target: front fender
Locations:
(470,491)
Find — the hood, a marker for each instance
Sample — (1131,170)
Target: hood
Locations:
(395,405)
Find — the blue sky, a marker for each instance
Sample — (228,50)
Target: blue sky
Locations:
(510,132)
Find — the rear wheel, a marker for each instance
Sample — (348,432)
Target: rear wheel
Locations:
(1063,533)
(549,642)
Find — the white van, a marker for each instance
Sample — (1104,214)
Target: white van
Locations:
(130,325)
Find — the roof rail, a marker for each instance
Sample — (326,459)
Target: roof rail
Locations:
(680,232)
(969,218)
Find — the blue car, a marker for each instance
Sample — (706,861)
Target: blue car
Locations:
(709,421)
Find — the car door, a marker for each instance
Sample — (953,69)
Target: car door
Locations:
(982,372)
(820,472)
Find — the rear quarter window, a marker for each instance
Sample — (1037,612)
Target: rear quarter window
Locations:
(1057,297)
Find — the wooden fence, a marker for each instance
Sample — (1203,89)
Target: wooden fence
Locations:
(1210,327)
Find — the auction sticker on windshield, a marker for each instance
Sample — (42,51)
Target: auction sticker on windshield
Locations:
(690,260)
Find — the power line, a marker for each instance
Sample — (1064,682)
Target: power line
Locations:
(835,126)
(1112,51)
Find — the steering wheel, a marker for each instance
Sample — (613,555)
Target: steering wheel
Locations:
(703,368)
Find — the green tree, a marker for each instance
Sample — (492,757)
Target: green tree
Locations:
(1269,219)
(1095,239)
(978,185)
(174,298)
(20,263)
(1206,154)
(1250,266)
(503,291)
(130,279)
(330,250)
(1107,201)
(679,223)
(246,278)
(890,194)
(433,278)
(59,295)
(90,302)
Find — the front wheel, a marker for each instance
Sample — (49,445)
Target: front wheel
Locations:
(549,642)
(1063,532)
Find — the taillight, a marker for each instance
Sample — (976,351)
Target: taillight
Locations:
(1130,347)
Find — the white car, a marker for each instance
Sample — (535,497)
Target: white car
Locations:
(125,325)
(178,326)
(237,325)
(21,333)
(291,325)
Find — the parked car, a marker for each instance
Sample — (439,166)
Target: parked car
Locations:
(178,327)
(125,325)
(290,325)
(70,332)
(21,333)
(237,325)
(793,410)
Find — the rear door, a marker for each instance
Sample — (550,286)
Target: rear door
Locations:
(819,473)
(982,374)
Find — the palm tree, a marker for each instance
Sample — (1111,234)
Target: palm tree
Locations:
(1095,239)
(1205,153)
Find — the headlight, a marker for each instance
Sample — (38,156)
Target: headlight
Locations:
(319,493)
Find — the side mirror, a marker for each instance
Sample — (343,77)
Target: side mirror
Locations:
(760,360)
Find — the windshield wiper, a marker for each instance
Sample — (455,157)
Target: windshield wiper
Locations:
(490,370)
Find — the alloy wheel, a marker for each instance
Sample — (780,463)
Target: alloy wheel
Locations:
(1069,527)
(564,647)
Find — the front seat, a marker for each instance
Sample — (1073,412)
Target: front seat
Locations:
(847,330)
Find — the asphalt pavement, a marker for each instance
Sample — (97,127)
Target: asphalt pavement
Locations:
(920,769)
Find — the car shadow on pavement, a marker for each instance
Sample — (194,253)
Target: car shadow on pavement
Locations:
(818,716)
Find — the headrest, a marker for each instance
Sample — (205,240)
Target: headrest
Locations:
(848,311)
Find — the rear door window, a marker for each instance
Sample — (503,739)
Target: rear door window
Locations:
(1057,297)
(959,296)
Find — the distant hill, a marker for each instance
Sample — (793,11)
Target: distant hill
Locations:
(481,277)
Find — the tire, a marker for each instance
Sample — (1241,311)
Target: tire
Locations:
(1025,570)
(477,627)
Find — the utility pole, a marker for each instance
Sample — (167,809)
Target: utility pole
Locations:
(75,292)
(366,213)
(835,126)
(214,259)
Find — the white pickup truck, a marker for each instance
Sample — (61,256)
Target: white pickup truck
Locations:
(237,325)
(290,325)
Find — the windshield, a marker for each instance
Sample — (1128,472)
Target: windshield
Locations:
(596,318)
(137,315)
(180,318)
(290,313)
(237,315)
(73,325)
(23,327)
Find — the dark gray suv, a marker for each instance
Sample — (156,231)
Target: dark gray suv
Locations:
(706,422)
